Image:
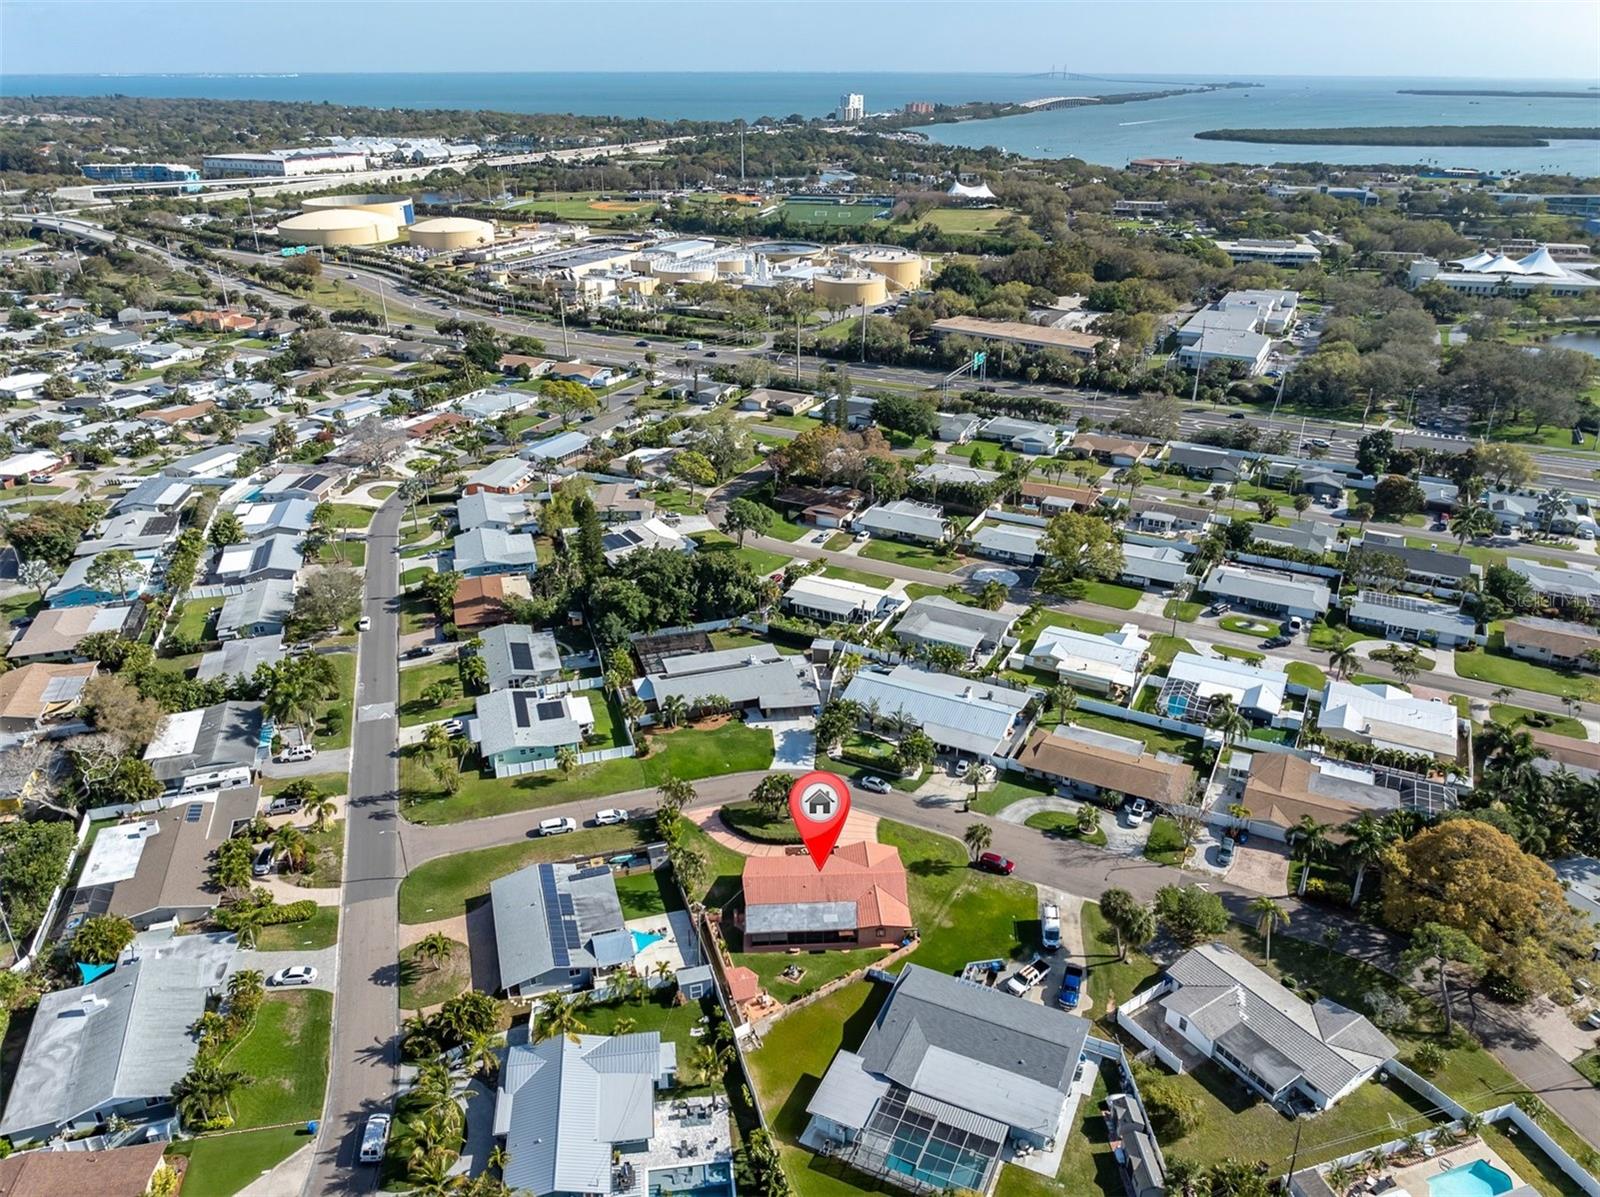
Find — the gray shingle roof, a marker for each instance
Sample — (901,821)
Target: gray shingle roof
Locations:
(970,716)
(515,651)
(267,601)
(240,657)
(1276,1033)
(759,674)
(483,547)
(487,508)
(945,621)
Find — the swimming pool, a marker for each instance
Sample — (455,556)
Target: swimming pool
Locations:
(1477,1179)
(692,1180)
(643,939)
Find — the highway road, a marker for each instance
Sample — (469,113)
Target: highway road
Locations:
(364,1058)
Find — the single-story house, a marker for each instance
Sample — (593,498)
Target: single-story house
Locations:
(1116,450)
(1017,544)
(193,749)
(1404,617)
(1023,436)
(1388,717)
(1208,462)
(75,589)
(938,620)
(1157,566)
(137,531)
(557,927)
(55,632)
(1580,757)
(40,693)
(512,363)
(515,728)
(292,516)
(759,678)
(315,485)
(559,449)
(820,506)
(114,1172)
(835,600)
(1307,536)
(565,1107)
(480,602)
(18,468)
(489,405)
(1269,590)
(621,503)
(507,476)
(1561,586)
(116,1046)
(957,427)
(1088,660)
(517,655)
(1282,789)
(1092,763)
(276,556)
(857,899)
(157,494)
(1051,498)
(597,377)
(491,551)
(1194,683)
(258,609)
(959,714)
(239,658)
(1299,1056)
(949,473)
(964,1071)
(1557,642)
(158,869)
(904,519)
(219,461)
(1426,569)
(485,509)
(1167,519)
(620,540)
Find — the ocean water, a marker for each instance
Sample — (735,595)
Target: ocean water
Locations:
(1108,136)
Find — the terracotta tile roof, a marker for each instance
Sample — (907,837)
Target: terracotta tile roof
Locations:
(478,602)
(1106,768)
(123,1172)
(870,875)
(436,425)
(743,983)
(1094,443)
(182,414)
(1575,754)
(1082,496)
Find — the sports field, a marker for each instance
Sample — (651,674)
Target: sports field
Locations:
(830,214)
(583,206)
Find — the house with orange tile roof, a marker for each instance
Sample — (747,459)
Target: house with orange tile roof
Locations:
(858,899)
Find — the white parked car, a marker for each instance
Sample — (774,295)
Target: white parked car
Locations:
(374,1139)
(363,623)
(299,974)
(873,784)
(605,818)
(1138,812)
(557,826)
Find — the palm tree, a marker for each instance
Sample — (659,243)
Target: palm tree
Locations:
(1369,839)
(481,1055)
(433,949)
(206,1091)
(673,709)
(566,759)
(1269,915)
(290,843)
(977,838)
(1311,843)
(557,1016)
(1342,657)
(322,808)
(435,742)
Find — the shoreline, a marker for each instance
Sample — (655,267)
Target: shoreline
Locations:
(1454,136)
(957,114)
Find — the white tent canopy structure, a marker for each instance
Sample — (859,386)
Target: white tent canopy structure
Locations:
(960,190)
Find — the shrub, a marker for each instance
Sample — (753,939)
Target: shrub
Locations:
(289,912)
(1336,893)
(1428,1059)
(1173,1112)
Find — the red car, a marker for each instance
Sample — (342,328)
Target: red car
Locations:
(993,862)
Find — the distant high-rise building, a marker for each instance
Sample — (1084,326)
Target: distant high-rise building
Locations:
(852,107)
(919,108)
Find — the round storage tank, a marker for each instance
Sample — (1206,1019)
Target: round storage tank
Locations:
(338,226)
(902,267)
(848,288)
(686,272)
(398,208)
(787,251)
(451,232)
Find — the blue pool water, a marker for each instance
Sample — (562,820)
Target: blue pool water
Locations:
(692,1180)
(643,939)
(1477,1179)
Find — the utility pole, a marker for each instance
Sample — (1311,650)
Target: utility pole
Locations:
(383,303)
(863,332)
(255,236)
(797,345)
(741,157)
(566,348)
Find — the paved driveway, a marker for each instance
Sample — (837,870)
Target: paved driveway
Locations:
(794,747)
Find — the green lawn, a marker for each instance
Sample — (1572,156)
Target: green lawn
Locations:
(1059,825)
(1247,625)
(1246,655)
(221,1165)
(319,931)
(1009,788)
(1165,845)
(1164,648)
(412,576)
(741,638)
(965,220)
(1521,717)
(417,678)
(1494,664)
(351,552)
(838,542)
(1106,594)
(820,968)
(861,577)
(349,517)
(423,985)
(659,1012)
(195,618)
(646,893)
(334,723)
(752,822)
(1589,1065)
(416,613)
(1184,612)
(915,556)
(285,1053)
(759,560)
(328,784)
(690,753)
(1306,674)
(13,607)
(441,888)
(955,593)
(1028,630)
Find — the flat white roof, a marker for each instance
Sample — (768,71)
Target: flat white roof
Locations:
(176,736)
(116,852)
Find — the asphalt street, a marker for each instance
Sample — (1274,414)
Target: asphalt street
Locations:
(364,1058)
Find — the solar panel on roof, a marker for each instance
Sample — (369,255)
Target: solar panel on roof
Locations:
(519,707)
(521,655)
(590,874)
(549,710)
(192,815)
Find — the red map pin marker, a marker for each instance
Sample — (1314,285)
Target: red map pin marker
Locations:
(819,803)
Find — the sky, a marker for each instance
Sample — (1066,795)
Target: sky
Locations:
(1460,38)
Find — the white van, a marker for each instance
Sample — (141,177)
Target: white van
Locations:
(694,346)
(374,1139)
